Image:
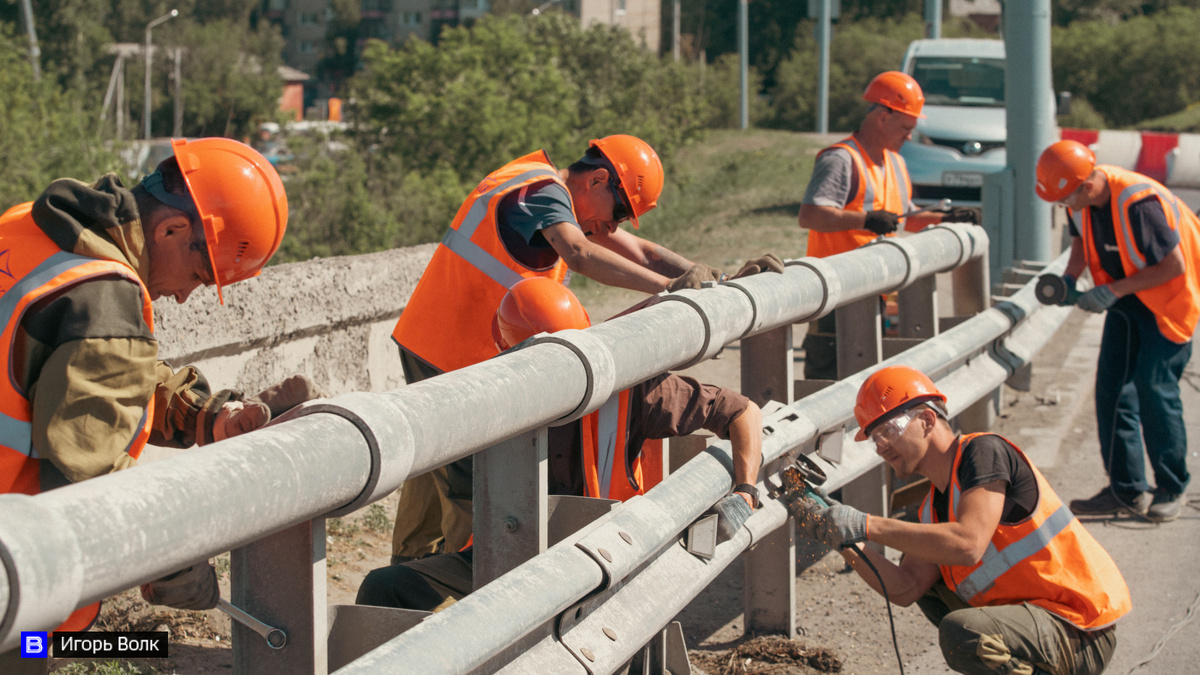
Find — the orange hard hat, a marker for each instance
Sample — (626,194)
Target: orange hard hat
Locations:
(241,202)
(536,305)
(897,91)
(1062,168)
(891,389)
(639,170)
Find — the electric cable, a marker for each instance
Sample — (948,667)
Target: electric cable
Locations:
(887,602)
(1187,617)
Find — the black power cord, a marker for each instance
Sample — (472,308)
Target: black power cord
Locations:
(887,602)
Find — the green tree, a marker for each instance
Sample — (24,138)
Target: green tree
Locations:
(47,133)
(1133,70)
(858,52)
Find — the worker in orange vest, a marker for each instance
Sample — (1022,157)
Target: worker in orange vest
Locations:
(858,190)
(612,453)
(1141,244)
(1010,577)
(526,219)
(79,267)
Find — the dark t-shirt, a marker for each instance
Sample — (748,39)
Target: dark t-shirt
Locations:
(1154,238)
(524,213)
(990,458)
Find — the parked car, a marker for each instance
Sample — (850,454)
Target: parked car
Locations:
(962,136)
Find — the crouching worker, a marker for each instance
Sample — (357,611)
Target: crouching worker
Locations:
(998,563)
(627,432)
(85,391)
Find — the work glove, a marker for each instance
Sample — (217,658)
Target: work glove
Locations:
(1097,300)
(837,526)
(194,587)
(963,214)
(695,277)
(767,262)
(240,417)
(881,222)
(733,511)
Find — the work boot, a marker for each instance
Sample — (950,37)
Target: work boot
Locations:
(1165,505)
(1107,503)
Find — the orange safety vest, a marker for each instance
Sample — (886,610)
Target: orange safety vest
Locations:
(1176,303)
(605,441)
(1048,559)
(886,187)
(447,322)
(32,267)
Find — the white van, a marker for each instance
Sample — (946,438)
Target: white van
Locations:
(963,134)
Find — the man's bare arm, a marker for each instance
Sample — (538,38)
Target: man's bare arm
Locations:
(599,262)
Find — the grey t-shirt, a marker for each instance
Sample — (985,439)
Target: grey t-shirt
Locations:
(524,213)
(834,180)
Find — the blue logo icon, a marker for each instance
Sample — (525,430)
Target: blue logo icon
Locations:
(34,644)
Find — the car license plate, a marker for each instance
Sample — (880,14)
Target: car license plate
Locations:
(962,179)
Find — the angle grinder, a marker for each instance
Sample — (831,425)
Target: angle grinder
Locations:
(1052,289)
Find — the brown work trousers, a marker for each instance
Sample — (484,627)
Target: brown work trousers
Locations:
(434,513)
(1020,639)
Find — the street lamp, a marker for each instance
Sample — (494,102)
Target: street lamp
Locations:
(174,13)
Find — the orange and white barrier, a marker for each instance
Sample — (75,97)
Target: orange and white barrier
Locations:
(1170,158)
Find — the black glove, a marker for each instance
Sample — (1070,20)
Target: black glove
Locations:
(881,222)
(768,262)
(963,214)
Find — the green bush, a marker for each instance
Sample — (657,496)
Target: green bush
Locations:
(858,52)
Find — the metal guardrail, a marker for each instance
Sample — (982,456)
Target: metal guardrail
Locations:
(72,546)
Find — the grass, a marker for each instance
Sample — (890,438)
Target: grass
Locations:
(1184,121)
(103,668)
(719,189)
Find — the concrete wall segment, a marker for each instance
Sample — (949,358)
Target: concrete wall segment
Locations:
(329,318)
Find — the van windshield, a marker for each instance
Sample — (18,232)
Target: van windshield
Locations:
(949,80)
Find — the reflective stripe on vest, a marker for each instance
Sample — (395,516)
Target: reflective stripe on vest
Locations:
(447,321)
(996,563)
(893,195)
(606,467)
(1176,302)
(18,434)
(39,268)
(1048,559)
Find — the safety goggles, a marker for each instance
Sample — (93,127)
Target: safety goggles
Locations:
(887,432)
(621,208)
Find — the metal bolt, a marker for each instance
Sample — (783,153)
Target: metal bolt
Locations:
(511,524)
(587,653)
(628,539)
(604,554)
(612,634)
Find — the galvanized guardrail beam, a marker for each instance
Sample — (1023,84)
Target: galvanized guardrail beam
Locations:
(78,544)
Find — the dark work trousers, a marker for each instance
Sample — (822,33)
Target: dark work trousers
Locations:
(1021,639)
(1137,398)
(820,349)
(434,514)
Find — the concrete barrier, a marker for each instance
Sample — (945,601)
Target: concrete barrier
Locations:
(330,319)
(1183,162)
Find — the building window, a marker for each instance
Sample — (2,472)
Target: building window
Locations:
(620,6)
(309,18)
(307,47)
(410,19)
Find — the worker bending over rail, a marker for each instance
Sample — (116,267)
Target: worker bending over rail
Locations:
(79,267)
(613,453)
(1142,246)
(859,190)
(526,219)
(1010,577)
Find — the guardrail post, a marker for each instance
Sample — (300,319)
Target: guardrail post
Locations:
(510,504)
(280,580)
(769,569)
(972,295)
(859,335)
(860,345)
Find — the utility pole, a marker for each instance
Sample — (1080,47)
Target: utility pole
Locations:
(146,114)
(35,54)
(178,132)
(675,30)
(744,58)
